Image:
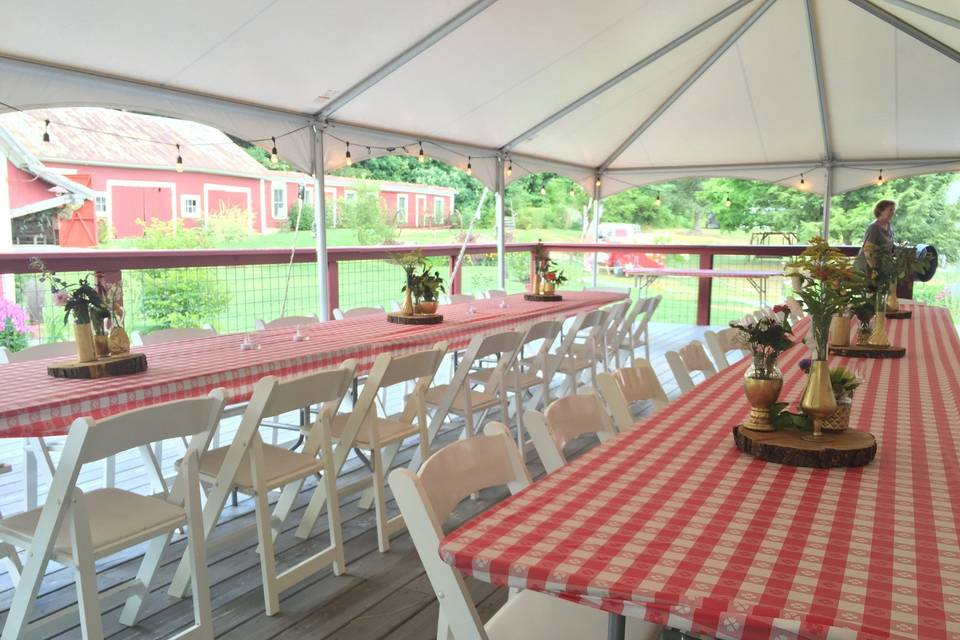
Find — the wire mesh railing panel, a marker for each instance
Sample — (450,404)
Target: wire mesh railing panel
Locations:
(369,283)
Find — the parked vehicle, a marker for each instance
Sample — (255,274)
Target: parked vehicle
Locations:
(616,261)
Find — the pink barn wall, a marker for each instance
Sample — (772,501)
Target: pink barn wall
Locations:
(25,188)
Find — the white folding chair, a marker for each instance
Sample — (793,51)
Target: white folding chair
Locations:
(496,293)
(723,341)
(77,529)
(39,352)
(635,329)
(459,398)
(161,336)
(626,386)
(457,298)
(572,358)
(427,498)
(627,291)
(687,360)
(285,322)
(357,312)
(564,420)
(796,310)
(610,346)
(256,468)
(364,429)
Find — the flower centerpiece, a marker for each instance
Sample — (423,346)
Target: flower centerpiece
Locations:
(427,287)
(541,263)
(13,326)
(118,341)
(828,280)
(410,263)
(82,302)
(766,339)
(863,306)
(552,277)
(843,383)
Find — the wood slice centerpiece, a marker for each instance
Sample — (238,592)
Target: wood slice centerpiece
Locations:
(868,351)
(903,314)
(421,318)
(542,297)
(785,446)
(124,365)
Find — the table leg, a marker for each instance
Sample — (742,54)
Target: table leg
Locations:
(616,626)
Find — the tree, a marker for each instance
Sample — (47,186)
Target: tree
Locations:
(365,215)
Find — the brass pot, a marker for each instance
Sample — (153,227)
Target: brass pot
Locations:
(83,335)
(549,288)
(407,307)
(893,304)
(818,401)
(840,331)
(101,345)
(427,307)
(119,341)
(879,338)
(761,393)
(863,334)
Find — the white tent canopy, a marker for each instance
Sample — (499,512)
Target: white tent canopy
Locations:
(640,90)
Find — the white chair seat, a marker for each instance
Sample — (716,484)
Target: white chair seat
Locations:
(530,615)
(569,364)
(387,431)
(479,400)
(118,519)
(281,466)
(527,378)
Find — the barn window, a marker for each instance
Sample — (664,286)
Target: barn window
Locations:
(279,201)
(100,204)
(438,210)
(402,209)
(190,206)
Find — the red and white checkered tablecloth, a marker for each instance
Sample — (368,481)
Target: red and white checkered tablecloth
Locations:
(34,404)
(670,522)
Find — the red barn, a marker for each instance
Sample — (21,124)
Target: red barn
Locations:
(129,161)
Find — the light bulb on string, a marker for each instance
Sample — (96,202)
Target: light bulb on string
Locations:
(543,191)
(728,202)
(274,156)
(657,202)
(179,165)
(573,192)
(803,183)
(469,166)
(598,182)
(349,157)
(46,131)
(880,178)
(510,168)
(420,157)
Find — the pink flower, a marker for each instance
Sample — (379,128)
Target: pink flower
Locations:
(60,297)
(16,315)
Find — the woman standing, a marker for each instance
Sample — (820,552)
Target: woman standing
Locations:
(879,233)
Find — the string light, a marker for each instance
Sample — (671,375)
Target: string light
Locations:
(510,168)
(420,157)
(880,178)
(728,202)
(274,156)
(598,182)
(349,157)
(469,166)
(803,183)
(656,202)
(573,192)
(179,165)
(46,131)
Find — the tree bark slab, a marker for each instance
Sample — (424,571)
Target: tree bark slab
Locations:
(542,297)
(868,351)
(785,446)
(426,318)
(125,365)
(898,315)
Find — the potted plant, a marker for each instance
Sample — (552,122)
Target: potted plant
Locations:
(550,276)
(828,280)
(409,262)
(80,301)
(766,339)
(843,383)
(863,306)
(427,287)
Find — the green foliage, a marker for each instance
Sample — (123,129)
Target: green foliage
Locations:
(104,232)
(307,216)
(11,337)
(228,225)
(365,215)
(262,156)
(182,297)
(159,234)
(844,382)
(760,206)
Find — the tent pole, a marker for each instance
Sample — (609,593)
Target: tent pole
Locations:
(827,197)
(501,227)
(320,221)
(596,227)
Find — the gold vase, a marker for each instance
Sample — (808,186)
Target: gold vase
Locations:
(549,288)
(101,345)
(407,307)
(761,394)
(840,331)
(536,285)
(893,304)
(879,338)
(83,336)
(118,341)
(818,401)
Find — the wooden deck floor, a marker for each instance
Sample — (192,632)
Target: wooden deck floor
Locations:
(381,595)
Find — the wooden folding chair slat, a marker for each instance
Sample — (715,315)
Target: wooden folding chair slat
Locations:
(564,420)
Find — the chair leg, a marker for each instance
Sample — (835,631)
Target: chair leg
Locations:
(380,500)
(12,562)
(110,471)
(88,601)
(334,521)
(30,481)
(197,548)
(268,563)
(148,568)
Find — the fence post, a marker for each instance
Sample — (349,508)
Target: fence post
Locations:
(455,278)
(333,287)
(704,291)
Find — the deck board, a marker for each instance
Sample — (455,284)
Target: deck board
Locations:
(381,595)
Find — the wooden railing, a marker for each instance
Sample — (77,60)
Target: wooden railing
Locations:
(109,265)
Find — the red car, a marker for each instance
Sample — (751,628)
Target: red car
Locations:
(615,261)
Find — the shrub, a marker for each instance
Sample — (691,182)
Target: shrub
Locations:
(160,234)
(307,216)
(228,225)
(367,218)
(13,326)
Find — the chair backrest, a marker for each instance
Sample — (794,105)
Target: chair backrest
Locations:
(457,298)
(286,321)
(689,359)
(39,352)
(631,384)
(615,317)
(590,322)
(356,312)
(564,420)
(161,336)
(496,293)
(722,341)
(427,497)
(796,310)
(645,310)
(506,345)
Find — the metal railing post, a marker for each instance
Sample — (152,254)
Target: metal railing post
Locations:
(320,221)
(704,291)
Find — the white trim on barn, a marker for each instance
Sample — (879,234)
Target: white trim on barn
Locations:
(420,209)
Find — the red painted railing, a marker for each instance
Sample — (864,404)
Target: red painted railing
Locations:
(109,265)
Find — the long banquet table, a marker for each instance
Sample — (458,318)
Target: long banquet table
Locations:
(32,404)
(671,523)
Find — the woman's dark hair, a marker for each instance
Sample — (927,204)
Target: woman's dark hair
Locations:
(882,206)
